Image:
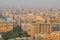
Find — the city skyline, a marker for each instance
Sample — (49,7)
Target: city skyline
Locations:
(29,20)
(30,3)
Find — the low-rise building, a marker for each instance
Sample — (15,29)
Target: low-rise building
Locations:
(23,38)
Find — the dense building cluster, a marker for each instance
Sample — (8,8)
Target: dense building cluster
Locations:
(41,24)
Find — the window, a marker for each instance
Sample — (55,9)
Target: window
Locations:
(57,28)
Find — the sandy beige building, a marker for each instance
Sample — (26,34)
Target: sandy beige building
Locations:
(6,27)
(55,35)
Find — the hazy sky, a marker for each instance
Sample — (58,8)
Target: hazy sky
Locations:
(31,3)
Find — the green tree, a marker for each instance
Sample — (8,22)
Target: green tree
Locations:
(17,28)
(5,36)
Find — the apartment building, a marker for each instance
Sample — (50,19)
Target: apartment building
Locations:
(6,27)
(39,28)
